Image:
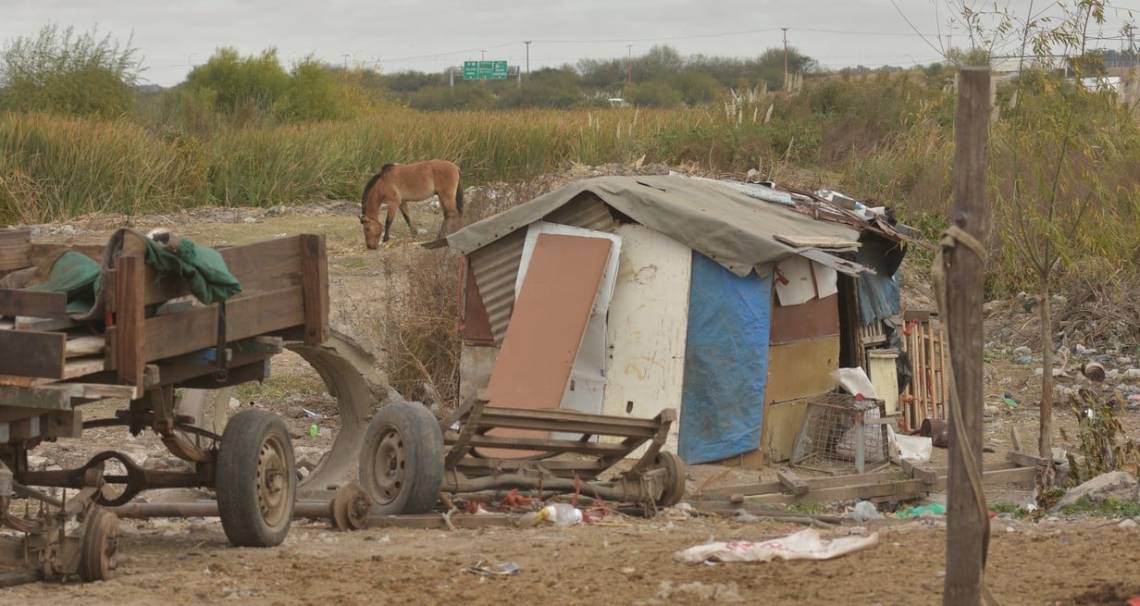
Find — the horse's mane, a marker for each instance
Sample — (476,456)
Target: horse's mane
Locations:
(383,169)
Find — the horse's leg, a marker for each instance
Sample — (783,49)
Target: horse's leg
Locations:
(450,213)
(408,219)
(392,206)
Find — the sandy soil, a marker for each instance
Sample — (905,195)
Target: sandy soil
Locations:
(623,561)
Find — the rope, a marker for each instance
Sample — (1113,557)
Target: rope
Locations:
(952,238)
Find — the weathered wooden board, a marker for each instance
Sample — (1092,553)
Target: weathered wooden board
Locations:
(32,354)
(315,281)
(36,303)
(246,316)
(813,319)
(795,370)
(14,246)
(548,323)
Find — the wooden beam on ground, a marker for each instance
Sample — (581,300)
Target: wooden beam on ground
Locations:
(792,482)
(315,282)
(1026,460)
(920,472)
(32,354)
(967,533)
(41,304)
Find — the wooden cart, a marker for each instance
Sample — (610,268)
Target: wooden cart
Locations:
(151,339)
(408,457)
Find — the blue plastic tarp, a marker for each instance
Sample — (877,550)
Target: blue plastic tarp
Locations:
(726,363)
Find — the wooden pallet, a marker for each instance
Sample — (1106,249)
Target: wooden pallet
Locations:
(927,396)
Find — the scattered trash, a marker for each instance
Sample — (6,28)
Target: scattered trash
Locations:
(803,545)
(314,430)
(1127,525)
(865,510)
(930,510)
(311,414)
(1094,372)
(485,569)
(1019,352)
(559,514)
(1010,401)
(855,382)
(688,592)
(912,449)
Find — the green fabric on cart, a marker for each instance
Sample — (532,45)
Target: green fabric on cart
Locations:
(77,275)
(201,267)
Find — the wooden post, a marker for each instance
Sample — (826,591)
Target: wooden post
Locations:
(315,284)
(967,532)
(130,314)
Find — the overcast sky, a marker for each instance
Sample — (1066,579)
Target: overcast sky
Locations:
(405,34)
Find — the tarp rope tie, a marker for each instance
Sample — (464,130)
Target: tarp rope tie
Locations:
(953,237)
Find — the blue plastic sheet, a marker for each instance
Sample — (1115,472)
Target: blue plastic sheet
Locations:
(726,363)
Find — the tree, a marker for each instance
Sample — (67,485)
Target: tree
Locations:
(59,70)
(1058,134)
(241,83)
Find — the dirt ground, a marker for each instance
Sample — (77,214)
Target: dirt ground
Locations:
(621,561)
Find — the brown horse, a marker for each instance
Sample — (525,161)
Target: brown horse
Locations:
(398,184)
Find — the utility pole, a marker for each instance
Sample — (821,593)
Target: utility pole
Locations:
(345,56)
(962,265)
(527,43)
(785,57)
(483,54)
(628,64)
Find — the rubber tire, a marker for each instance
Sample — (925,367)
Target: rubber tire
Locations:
(235,484)
(675,476)
(101,526)
(423,458)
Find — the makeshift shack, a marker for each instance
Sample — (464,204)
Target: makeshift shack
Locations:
(629,295)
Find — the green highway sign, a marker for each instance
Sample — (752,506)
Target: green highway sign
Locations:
(484,70)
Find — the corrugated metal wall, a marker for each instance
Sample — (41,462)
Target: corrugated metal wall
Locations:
(496,265)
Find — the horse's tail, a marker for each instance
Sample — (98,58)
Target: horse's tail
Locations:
(459,195)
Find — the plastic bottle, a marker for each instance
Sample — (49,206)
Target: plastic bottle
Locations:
(560,514)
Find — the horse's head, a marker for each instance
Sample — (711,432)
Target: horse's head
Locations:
(372,231)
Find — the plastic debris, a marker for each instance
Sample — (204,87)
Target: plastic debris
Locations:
(803,545)
(486,569)
(559,514)
(864,511)
(930,510)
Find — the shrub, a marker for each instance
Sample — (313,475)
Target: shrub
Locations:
(61,71)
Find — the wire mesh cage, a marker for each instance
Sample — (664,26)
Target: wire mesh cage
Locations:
(840,432)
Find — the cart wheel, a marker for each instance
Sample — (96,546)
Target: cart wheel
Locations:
(350,507)
(99,545)
(256,480)
(674,479)
(401,463)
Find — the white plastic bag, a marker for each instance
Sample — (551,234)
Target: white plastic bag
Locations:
(912,449)
(803,545)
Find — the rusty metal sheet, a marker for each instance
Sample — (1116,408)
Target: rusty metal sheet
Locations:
(548,322)
(475,324)
(816,318)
